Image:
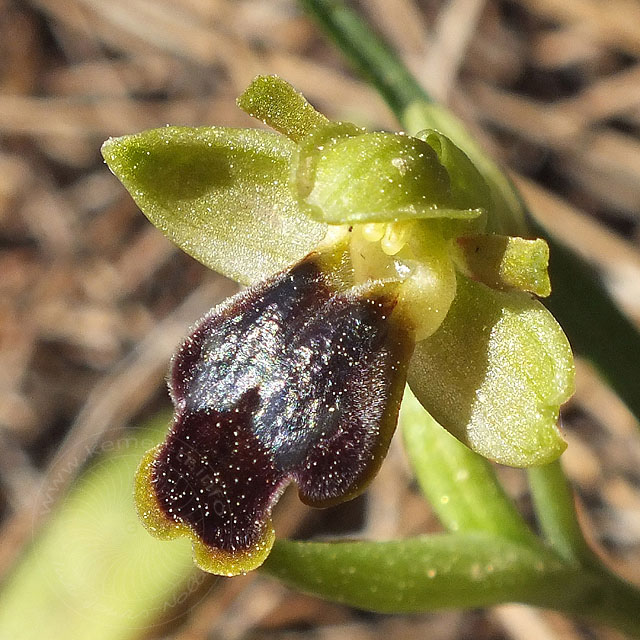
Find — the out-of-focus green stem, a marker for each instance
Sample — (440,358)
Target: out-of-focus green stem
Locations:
(614,601)
(452,570)
(368,54)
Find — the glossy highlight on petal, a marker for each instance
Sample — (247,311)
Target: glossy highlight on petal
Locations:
(298,379)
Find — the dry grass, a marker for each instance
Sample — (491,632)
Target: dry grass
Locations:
(94,299)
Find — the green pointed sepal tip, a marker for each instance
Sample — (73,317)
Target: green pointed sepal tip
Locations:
(277,104)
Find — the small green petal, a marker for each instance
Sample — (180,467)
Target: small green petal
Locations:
(276,103)
(505,262)
(222,195)
(495,374)
(375,177)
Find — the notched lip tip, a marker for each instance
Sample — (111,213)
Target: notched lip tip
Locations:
(227,563)
(207,558)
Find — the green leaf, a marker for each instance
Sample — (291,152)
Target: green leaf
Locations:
(424,573)
(596,327)
(495,374)
(461,485)
(222,195)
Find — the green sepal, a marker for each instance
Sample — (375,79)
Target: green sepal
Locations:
(277,104)
(374,177)
(505,262)
(495,373)
(222,195)
(310,150)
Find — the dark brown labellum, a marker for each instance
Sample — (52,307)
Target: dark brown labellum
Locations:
(291,380)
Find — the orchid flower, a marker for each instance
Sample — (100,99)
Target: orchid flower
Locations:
(373,259)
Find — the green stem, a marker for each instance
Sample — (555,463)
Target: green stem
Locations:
(461,485)
(428,572)
(368,53)
(554,505)
(613,601)
(452,570)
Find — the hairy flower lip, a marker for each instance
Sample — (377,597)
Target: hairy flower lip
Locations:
(296,379)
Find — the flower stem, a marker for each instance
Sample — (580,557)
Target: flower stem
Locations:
(461,485)
(368,53)
(555,508)
(613,601)
(452,570)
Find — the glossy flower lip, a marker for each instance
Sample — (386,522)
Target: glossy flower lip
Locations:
(297,379)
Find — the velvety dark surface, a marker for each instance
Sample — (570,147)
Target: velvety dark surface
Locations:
(287,381)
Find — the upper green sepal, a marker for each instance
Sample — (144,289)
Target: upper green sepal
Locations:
(222,195)
(495,374)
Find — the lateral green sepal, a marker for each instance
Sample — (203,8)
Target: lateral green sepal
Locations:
(495,373)
(222,195)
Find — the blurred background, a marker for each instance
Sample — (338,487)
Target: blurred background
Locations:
(94,299)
